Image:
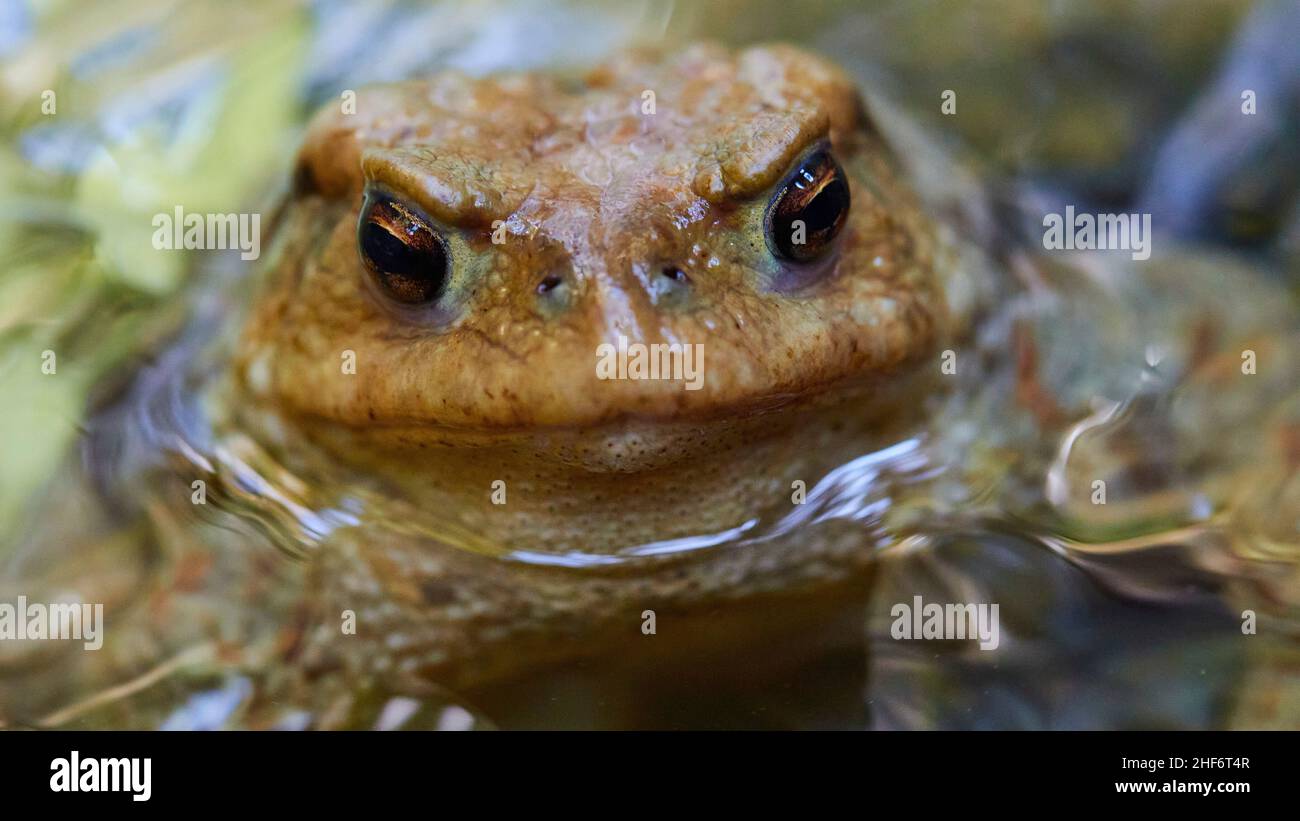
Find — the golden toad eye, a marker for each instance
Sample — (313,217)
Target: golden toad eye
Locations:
(407,258)
(809,209)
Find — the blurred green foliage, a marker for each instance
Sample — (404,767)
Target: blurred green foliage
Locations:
(110,114)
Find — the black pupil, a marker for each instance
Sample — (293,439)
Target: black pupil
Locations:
(816,195)
(824,211)
(407,259)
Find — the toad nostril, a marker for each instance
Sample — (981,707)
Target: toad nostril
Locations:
(675,274)
(554,295)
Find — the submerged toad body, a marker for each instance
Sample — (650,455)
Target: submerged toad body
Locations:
(455,255)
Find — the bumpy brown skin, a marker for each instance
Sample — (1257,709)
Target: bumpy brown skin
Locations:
(803,367)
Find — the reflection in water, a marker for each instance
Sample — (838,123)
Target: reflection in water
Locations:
(1075,652)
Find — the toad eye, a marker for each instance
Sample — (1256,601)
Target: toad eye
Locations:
(809,210)
(406,257)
